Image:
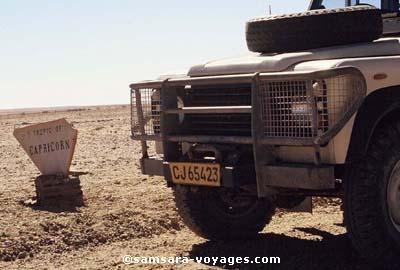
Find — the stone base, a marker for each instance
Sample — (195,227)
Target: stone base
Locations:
(52,190)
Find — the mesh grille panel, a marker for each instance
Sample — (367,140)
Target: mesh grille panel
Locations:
(341,93)
(286,111)
(146,106)
(307,108)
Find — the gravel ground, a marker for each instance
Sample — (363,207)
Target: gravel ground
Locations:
(128,213)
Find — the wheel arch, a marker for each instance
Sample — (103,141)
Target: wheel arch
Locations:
(377,108)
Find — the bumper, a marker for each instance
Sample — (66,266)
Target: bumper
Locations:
(284,176)
(151,166)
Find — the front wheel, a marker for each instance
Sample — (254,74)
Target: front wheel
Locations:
(216,214)
(372,198)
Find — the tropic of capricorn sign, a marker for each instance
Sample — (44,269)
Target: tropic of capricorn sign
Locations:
(50,145)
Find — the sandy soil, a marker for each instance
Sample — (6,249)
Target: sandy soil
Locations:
(128,213)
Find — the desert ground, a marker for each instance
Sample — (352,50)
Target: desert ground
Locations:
(128,213)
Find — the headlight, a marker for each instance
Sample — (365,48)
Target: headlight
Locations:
(301,109)
(156,116)
(155,111)
(180,105)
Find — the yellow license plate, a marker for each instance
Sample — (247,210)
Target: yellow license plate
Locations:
(198,174)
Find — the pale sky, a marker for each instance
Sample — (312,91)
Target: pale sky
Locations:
(62,53)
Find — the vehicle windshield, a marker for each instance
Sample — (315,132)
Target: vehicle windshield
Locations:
(385,5)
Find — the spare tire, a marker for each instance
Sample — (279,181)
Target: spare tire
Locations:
(314,29)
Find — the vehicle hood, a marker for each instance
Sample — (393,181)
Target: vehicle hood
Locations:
(256,62)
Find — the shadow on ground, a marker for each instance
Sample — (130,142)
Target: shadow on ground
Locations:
(332,252)
(58,207)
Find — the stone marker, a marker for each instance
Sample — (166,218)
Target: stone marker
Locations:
(50,145)
(52,190)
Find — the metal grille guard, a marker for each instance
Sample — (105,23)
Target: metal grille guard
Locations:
(262,84)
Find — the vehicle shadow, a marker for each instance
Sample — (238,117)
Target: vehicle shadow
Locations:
(332,252)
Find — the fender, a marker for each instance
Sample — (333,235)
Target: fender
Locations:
(377,107)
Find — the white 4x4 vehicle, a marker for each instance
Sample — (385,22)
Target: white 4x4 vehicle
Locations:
(313,111)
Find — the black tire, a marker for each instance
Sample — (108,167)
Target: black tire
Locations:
(204,212)
(369,221)
(314,29)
